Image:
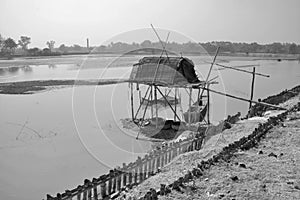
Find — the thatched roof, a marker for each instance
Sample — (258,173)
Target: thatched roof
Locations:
(166,71)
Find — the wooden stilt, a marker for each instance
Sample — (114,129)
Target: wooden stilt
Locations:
(175,104)
(137,112)
(198,99)
(190,107)
(131,97)
(140,96)
(151,102)
(165,96)
(146,108)
(208,105)
(156,108)
(252,87)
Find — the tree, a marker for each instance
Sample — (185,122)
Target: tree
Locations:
(293,48)
(50,45)
(46,51)
(9,46)
(24,41)
(146,44)
(63,48)
(34,51)
(1,42)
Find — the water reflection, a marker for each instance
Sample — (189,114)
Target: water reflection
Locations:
(26,68)
(51,66)
(10,73)
(13,70)
(2,71)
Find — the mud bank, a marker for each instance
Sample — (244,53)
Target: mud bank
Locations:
(31,87)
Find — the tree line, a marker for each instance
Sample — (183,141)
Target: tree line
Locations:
(9,47)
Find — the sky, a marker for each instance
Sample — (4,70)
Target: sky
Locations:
(72,21)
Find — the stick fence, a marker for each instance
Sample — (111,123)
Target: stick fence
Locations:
(128,175)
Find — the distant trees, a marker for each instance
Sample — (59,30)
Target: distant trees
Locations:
(50,45)
(1,41)
(34,51)
(293,48)
(24,41)
(62,48)
(9,47)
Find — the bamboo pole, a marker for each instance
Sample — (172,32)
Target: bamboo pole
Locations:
(143,116)
(209,72)
(175,104)
(156,108)
(141,103)
(139,91)
(190,107)
(252,88)
(146,108)
(131,97)
(151,102)
(242,70)
(243,99)
(163,46)
(208,105)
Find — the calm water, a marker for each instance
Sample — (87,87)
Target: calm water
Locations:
(53,140)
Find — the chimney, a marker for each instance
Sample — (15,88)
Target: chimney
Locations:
(87,43)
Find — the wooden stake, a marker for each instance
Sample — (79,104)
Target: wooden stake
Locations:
(190,105)
(208,105)
(175,103)
(132,109)
(252,88)
(156,108)
(141,103)
(151,102)
(146,108)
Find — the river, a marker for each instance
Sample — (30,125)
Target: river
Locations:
(53,140)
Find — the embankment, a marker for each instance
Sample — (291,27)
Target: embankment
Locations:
(258,158)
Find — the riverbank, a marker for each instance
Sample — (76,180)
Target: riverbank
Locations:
(269,171)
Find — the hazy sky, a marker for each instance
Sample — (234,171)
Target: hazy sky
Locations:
(72,21)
